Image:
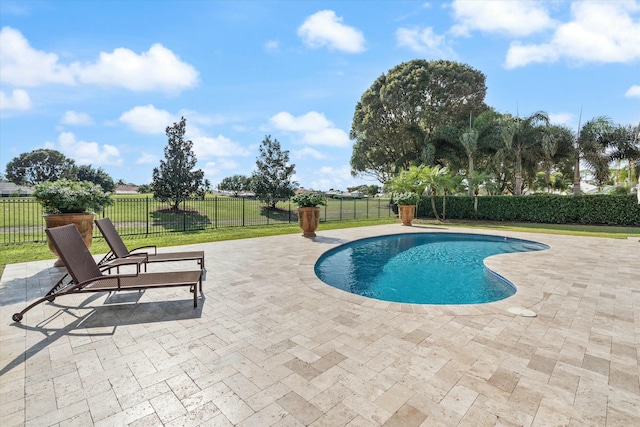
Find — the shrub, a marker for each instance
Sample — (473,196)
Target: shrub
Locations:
(65,196)
(546,209)
(309,200)
(407,199)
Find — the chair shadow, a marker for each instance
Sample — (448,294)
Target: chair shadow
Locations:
(21,290)
(119,309)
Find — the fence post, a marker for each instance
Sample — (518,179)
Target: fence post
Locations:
(243,211)
(147,214)
(355,208)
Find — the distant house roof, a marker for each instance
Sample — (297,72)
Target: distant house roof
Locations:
(127,189)
(10,189)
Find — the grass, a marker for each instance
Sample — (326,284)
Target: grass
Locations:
(21,218)
(16,253)
(614,232)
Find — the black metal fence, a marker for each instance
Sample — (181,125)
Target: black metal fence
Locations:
(21,217)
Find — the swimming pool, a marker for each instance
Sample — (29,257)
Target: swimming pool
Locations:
(422,268)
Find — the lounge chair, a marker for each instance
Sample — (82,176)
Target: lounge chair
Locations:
(119,253)
(86,275)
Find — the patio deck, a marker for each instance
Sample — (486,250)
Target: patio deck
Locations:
(271,345)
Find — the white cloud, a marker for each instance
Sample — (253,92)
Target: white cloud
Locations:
(147,158)
(77,119)
(314,128)
(424,41)
(21,65)
(214,169)
(603,32)
(561,118)
(205,147)
(338,178)
(148,119)
(516,18)
(308,152)
(272,46)
(633,92)
(18,100)
(156,69)
(324,28)
(85,153)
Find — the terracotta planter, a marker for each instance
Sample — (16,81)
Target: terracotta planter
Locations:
(406,213)
(83,221)
(308,220)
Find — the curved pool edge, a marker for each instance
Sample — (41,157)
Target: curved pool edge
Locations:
(527,295)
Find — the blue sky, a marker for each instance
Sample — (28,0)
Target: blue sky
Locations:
(101,80)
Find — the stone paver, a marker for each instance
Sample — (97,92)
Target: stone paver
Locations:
(271,345)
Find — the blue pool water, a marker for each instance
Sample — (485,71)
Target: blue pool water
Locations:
(422,268)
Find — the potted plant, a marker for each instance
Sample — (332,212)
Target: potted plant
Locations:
(71,202)
(407,206)
(309,211)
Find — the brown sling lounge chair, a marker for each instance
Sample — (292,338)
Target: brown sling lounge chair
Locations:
(119,252)
(86,276)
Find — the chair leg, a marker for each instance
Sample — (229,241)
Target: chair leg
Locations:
(195,297)
(17,317)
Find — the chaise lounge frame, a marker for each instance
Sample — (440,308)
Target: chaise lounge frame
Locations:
(84,275)
(120,254)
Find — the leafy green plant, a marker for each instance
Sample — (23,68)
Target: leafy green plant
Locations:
(309,200)
(545,209)
(406,199)
(65,196)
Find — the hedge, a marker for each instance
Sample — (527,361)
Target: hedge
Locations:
(546,209)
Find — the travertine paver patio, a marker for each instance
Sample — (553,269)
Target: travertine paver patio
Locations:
(272,345)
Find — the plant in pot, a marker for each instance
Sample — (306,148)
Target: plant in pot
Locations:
(71,202)
(309,211)
(407,206)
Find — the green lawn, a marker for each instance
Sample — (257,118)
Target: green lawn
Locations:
(21,218)
(39,251)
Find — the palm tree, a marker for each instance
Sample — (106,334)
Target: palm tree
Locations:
(478,179)
(557,149)
(549,146)
(626,146)
(448,183)
(434,180)
(409,180)
(590,146)
(521,137)
(469,141)
(478,139)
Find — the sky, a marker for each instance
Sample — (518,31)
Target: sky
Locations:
(100,81)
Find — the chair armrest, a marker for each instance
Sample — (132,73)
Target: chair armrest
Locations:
(133,259)
(155,251)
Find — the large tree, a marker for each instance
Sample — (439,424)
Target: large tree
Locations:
(97,176)
(272,179)
(39,166)
(396,121)
(235,184)
(176,179)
